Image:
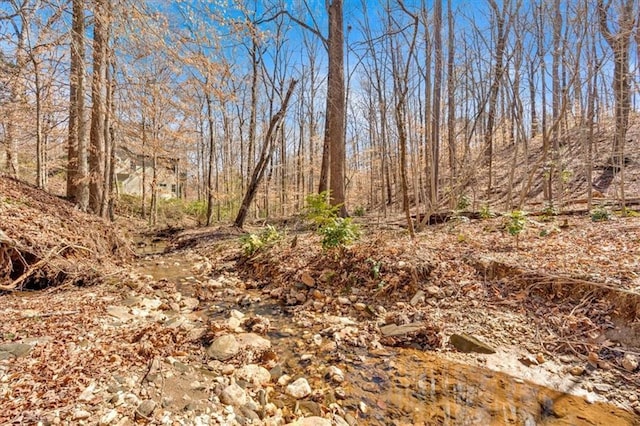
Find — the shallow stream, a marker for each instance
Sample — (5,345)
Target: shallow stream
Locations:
(391,386)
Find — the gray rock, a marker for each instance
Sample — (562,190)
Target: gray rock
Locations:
(233,395)
(417,298)
(252,341)
(467,343)
(310,408)
(81,414)
(433,291)
(120,312)
(190,303)
(250,414)
(298,389)
(14,350)
(335,374)
(350,420)
(145,409)
(254,374)
(276,372)
(391,330)
(224,348)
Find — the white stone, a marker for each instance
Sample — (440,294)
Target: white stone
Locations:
(108,417)
(298,389)
(87,393)
(311,421)
(336,374)
(284,379)
(630,362)
(81,415)
(233,395)
(236,314)
(254,374)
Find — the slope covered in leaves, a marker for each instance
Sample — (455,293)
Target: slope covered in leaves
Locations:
(44,241)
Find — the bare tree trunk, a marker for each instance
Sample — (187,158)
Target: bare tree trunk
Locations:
(212,147)
(619,44)
(451,112)
(437,95)
(335,116)
(41,149)
(145,143)
(498,70)
(265,157)
(98,108)
(108,142)
(77,168)
(17,100)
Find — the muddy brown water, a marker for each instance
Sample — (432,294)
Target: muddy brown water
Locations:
(395,386)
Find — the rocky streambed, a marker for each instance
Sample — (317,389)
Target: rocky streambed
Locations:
(262,362)
(176,343)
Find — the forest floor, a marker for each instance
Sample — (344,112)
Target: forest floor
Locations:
(193,331)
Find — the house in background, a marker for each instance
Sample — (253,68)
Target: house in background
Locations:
(132,169)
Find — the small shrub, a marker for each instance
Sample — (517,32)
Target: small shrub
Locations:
(627,212)
(197,209)
(376,266)
(600,214)
(339,233)
(485,212)
(318,209)
(252,243)
(171,209)
(359,211)
(548,213)
(517,223)
(463,203)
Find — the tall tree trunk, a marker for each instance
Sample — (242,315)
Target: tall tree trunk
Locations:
(451,112)
(335,116)
(77,168)
(98,107)
(212,147)
(437,95)
(619,43)
(498,70)
(41,149)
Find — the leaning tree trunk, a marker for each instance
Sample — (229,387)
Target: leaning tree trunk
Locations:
(265,156)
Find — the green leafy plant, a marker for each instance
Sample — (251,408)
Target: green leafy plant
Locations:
(485,212)
(549,212)
(339,233)
(376,266)
(359,211)
(600,214)
(516,224)
(318,209)
(197,209)
(463,202)
(627,212)
(252,243)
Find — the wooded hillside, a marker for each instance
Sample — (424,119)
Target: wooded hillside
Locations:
(392,106)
